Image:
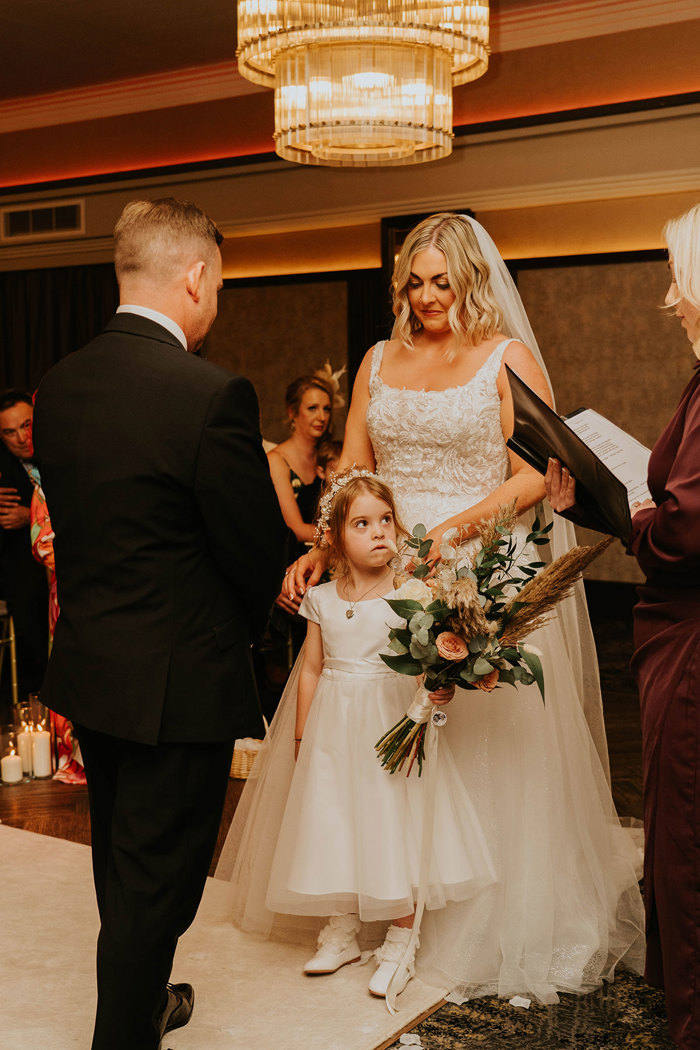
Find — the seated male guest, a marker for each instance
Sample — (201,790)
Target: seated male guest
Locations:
(166,526)
(23,584)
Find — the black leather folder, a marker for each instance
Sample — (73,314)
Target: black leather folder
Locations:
(539,433)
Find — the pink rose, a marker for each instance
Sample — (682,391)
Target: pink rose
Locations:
(488,682)
(451,646)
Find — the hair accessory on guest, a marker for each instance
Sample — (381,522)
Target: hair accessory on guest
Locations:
(333,380)
(336,483)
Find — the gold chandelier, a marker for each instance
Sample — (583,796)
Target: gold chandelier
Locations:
(366,82)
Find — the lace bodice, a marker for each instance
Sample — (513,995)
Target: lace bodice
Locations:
(440,450)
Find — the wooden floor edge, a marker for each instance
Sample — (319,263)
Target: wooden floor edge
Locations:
(411,1024)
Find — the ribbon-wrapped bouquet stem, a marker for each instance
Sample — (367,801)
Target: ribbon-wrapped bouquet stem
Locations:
(467,618)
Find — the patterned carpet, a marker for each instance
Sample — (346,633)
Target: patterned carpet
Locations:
(625,1015)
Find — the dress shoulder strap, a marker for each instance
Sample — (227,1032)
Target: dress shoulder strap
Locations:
(377,356)
(501,349)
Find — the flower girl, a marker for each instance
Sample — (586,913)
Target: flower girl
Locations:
(348,843)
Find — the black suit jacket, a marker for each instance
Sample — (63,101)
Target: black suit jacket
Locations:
(168,533)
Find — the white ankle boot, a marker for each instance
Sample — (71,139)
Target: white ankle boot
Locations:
(388,957)
(337,945)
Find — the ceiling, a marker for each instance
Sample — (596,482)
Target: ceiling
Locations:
(90,87)
(60,45)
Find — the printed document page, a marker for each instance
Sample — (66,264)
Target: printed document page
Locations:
(622,454)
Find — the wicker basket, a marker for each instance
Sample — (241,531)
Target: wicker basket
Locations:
(244,754)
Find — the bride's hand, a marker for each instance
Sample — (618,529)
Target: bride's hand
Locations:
(305,572)
(435,536)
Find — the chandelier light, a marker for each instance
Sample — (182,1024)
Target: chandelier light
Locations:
(362,83)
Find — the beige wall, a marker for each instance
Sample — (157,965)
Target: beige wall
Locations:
(276,332)
(608,345)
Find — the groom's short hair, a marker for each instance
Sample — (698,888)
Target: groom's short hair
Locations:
(153,238)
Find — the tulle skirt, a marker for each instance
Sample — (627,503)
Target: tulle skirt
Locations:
(565,908)
(350,837)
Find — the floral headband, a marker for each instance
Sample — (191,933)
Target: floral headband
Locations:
(337,482)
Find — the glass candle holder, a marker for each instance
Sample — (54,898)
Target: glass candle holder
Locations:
(39,713)
(10,760)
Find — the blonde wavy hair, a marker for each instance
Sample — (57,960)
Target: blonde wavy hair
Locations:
(340,511)
(682,235)
(475,315)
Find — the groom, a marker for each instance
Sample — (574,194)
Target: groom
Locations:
(167,538)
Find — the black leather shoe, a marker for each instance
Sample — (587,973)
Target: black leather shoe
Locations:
(178,1009)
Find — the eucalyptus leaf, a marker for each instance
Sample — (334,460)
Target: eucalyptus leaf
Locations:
(404,607)
(534,663)
(424,549)
(468,676)
(397,646)
(509,654)
(438,610)
(402,664)
(421,571)
(419,531)
(482,667)
(477,643)
(417,650)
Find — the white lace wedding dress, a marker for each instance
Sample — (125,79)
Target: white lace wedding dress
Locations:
(565,908)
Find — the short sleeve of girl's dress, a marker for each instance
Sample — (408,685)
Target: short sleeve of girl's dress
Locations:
(309,605)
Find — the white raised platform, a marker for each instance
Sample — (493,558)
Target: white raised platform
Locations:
(249,993)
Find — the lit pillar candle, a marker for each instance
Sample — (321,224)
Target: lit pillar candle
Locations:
(41,753)
(11,768)
(24,746)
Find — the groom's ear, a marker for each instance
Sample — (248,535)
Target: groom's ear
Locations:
(193,279)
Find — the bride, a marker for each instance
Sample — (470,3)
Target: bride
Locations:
(431,412)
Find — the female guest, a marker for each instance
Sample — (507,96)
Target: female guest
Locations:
(431,411)
(294,467)
(666,542)
(294,462)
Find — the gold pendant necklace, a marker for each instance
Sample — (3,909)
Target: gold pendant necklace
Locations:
(349,613)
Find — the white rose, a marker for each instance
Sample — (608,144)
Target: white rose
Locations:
(415,590)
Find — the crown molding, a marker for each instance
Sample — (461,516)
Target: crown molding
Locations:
(90,250)
(520,25)
(534,195)
(181,87)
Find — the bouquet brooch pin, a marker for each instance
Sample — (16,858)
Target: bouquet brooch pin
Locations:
(466,620)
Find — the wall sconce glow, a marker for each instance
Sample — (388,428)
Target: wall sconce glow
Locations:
(362,83)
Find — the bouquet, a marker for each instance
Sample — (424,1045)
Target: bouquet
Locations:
(466,618)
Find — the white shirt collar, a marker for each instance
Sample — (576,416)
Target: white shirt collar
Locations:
(159,318)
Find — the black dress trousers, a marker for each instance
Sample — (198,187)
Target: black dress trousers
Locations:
(155,814)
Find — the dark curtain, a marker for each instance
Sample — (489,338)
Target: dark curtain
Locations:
(46,314)
(369,315)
